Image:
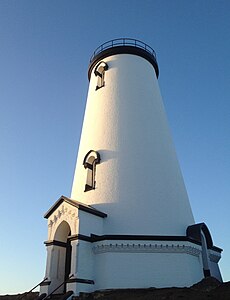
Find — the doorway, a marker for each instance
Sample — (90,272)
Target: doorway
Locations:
(62,252)
(68,257)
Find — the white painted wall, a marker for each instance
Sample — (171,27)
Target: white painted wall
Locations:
(215,271)
(138,182)
(85,262)
(55,268)
(143,269)
(214,258)
(90,224)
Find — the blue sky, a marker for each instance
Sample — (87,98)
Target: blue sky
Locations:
(45,48)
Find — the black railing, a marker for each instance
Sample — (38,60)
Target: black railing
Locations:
(58,287)
(25,294)
(123,42)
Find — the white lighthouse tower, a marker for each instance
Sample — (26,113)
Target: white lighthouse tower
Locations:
(128,223)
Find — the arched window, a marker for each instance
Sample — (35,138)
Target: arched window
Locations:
(91,159)
(100,73)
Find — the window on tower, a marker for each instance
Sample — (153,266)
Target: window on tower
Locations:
(100,73)
(90,161)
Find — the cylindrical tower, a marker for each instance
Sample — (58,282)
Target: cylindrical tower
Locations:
(132,172)
(128,223)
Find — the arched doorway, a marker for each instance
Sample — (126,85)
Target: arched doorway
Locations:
(62,253)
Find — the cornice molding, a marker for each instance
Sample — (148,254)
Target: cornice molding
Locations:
(147,248)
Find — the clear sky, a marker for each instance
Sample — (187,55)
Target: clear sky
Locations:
(45,48)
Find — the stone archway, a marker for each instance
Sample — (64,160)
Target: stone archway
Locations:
(61,256)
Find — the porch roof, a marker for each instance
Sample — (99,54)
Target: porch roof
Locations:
(81,206)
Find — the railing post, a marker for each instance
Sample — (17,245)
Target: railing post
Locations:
(57,288)
(123,42)
(24,295)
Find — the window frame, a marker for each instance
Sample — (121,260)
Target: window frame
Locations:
(90,161)
(99,72)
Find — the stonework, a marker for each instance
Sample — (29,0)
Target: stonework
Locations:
(65,213)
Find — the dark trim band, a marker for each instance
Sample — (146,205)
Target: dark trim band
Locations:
(92,211)
(124,50)
(80,237)
(44,283)
(93,238)
(215,248)
(55,243)
(97,238)
(80,280)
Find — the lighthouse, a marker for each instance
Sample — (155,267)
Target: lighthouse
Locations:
(128,222)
